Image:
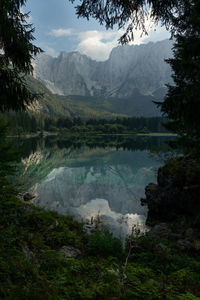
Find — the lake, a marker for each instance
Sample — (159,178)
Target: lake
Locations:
(98,180)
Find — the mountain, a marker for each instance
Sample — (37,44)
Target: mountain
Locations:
(47,103)
(88,106)
(139,105)
(129,71)
(56,106)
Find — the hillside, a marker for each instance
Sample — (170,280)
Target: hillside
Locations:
(54,105)
(90,107)
(140,105)
(47,103)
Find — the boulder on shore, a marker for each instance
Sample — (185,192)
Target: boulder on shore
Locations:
(177,192)
(28,197)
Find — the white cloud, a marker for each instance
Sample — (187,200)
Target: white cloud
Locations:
(61,32)
(99,44)
(93,43)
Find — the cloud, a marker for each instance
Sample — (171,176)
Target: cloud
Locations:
(61,32)
(93,43)
(98,44)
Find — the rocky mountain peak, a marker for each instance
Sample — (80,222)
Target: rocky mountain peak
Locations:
(129,68)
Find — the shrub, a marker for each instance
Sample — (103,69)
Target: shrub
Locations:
(104,244)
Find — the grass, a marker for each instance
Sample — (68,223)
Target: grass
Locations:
(70,133)
(157,134)
(122,134)
(32,265)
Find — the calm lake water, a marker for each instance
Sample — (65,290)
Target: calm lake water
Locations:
(98,181)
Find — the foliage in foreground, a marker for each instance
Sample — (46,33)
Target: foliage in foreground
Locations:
(33,267)
(8,157)
(182,102)
(17,52)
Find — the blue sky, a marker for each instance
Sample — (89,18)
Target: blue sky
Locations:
(57,29)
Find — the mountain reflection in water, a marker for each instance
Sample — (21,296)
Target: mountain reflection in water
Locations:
(92,181)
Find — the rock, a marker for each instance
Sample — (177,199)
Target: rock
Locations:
(28,197)
(169,200)
(27,208)
(180,226)
(161,249)
(184,245)
(114,272)
(20,196)
(160,230)
(54,225)
(69,252)
(197,245)
(189,233)
(88,228)
(188,245)
(120,276)
(175,236)
(30,256)
(28,253)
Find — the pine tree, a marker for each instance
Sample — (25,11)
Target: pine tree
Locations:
(16,54)
(132,14)
(182,102)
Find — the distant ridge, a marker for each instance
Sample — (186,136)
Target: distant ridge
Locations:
(129,68)
(124,85)
(87,106)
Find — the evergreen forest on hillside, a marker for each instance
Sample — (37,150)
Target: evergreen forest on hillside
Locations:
(90,107)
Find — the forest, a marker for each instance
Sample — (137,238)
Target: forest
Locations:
(26,122)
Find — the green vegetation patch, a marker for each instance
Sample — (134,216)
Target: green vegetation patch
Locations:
(34,263)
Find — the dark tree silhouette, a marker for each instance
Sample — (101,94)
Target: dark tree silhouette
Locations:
(182,103)
(16,53)
(134,13)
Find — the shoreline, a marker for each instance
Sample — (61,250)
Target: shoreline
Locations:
(47,133)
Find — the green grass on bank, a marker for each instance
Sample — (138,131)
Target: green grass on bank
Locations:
(157,134)
(32,265)
(125,134)
(71,133)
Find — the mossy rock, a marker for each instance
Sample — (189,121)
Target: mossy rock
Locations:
(177,192)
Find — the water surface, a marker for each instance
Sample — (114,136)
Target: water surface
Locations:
(98,181)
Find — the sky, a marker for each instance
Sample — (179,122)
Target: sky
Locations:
(57,29)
